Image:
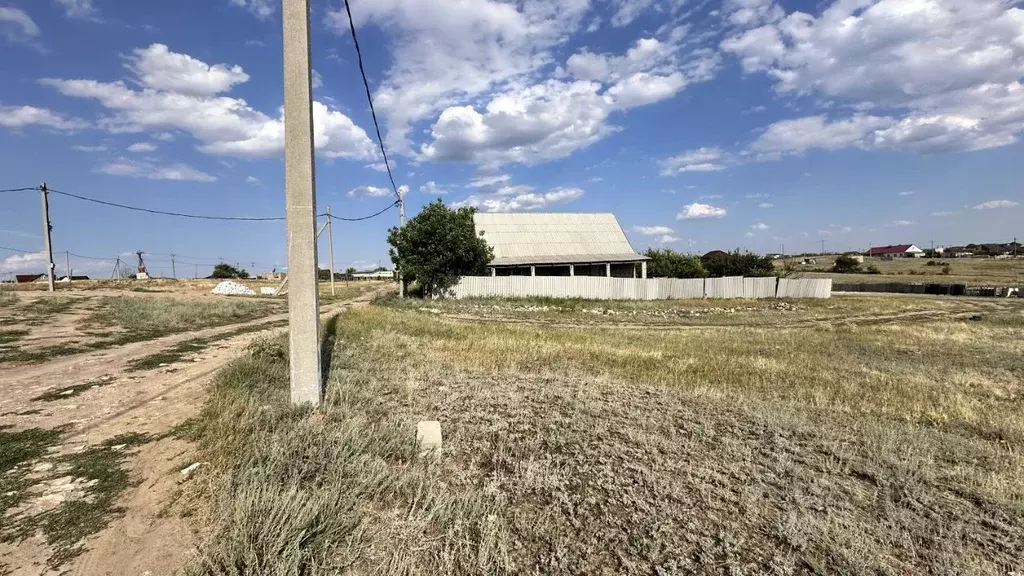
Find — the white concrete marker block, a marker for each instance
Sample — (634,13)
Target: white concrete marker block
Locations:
(428,436)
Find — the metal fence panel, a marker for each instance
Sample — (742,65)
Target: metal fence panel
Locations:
(729,287)
(600,288)
(759,287)
(805,288)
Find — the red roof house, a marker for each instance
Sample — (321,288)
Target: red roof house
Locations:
(898,250)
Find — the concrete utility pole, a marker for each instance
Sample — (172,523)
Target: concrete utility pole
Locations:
(46,236)
(195,273)
(117,264)
(330,244)
(401,224)
(300,198)
(174,273)
(67,264)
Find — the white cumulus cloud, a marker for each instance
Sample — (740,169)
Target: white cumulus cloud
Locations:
(699,160)
(996,204)
(158,68)
(261,9)
(921,75)
(522,201)
(369,191)
(181,93)
(698,211)
(433,189)
(16,25)
(142,147)
(22,116)
(153,171)
(653,230)
(83,9)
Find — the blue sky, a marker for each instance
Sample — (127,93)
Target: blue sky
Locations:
(736,124)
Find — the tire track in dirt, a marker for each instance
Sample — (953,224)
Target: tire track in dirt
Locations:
(143,540)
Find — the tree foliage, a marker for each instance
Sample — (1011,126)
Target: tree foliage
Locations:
(719,264)
(438,246)
(228,271)
(846,265)
(668,263)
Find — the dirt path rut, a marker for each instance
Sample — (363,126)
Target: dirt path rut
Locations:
(112,401)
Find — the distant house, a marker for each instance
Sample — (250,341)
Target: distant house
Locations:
(375,275)
(896,251)
(26,278)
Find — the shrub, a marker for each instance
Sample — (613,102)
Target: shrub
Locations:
(872,269)
(668,263)
(946,269)
(748,264)
(931,263)
(846,265)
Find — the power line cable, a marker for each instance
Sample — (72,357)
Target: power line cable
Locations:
(19,189)
(18,250)
(165,213)
(369,98)
(374,215)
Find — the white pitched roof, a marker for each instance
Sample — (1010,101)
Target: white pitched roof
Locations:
(530,238)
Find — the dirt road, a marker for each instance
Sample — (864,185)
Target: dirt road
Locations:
(97,399)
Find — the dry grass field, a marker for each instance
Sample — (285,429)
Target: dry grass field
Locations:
(972,271)
(858,435)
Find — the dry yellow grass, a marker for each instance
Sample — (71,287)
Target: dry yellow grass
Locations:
(790,444)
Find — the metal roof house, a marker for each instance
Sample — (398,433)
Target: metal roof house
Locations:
(898,250)
(539,244)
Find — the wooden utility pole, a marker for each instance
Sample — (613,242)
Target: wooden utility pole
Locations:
(67,264)
(47,228)
(117,264)
(174,273)
(330,244)
(300,199)
(195,273)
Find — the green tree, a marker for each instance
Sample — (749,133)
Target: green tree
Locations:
(668,263)
(846,265)
(719,264)
(438,246)
(228,271)
(350,272)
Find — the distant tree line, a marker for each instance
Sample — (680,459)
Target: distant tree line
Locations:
(667,263)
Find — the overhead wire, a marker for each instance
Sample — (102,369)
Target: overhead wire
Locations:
(18,250)
(19,189)
(369,98)
(203,216)
(361,218)
(166,213)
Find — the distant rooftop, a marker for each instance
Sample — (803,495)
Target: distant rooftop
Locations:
(554,238)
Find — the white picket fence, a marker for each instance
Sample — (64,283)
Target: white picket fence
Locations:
(602,288)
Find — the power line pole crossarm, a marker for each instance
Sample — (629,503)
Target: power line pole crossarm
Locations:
(47,228)
(300,198)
